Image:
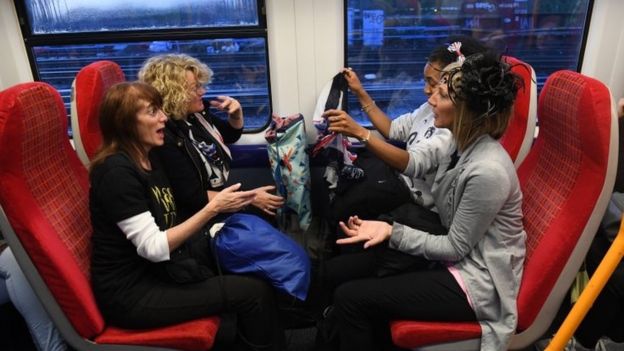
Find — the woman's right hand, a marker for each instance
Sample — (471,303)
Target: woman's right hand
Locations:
(340,122)
(352,79)
(231,200)
(371,232)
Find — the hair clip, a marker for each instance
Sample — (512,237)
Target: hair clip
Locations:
(491,111)
(455,48)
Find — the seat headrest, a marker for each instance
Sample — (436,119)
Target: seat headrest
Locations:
(90,86)
(518,138)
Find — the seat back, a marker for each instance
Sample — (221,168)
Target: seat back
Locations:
(566,179)
(518,138)
(44,193)
(88,90)
(44,215)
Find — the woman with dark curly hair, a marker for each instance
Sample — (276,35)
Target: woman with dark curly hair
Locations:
(473,272)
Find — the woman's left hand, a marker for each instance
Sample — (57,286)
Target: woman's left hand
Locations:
(372,232)
(340,122)
(266,201)
(229,105)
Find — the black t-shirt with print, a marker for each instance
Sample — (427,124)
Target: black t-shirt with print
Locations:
(120,190)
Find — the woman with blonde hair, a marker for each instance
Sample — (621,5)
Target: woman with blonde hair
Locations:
(195,154)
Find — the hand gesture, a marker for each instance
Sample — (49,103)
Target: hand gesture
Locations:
(229,105)
(340,122)
(266,201)
(232,200)
(372,232)
(353,80)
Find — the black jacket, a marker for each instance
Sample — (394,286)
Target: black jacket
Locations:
(184,168)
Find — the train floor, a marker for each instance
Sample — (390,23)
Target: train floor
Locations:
(14,335)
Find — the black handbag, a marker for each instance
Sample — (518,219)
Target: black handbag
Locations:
(192,262)
(390,261)
(379,191)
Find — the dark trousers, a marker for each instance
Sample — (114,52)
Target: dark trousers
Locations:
(604,318)
(380,191)
(252,300)
(365,300)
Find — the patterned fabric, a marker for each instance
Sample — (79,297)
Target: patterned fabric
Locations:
(290,165)
(339,151)
(563,181)
(56,190)
(552,168)
(333,96)
(43,190)
(215,155)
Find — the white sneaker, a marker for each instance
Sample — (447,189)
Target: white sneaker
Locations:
(571,345)
(606,344)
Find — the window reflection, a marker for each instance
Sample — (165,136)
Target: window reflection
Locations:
(72,16)
(239,65)
(388,41)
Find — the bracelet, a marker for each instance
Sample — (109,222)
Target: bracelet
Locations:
(368,107)
(365,139)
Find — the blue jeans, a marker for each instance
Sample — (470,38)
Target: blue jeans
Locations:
(15,288)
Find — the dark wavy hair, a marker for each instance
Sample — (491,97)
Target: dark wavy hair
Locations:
(484,89)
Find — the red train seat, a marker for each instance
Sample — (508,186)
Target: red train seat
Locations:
(88,89)
(520,133)
(44,215)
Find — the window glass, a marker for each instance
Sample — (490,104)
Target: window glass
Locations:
(388,41)
(239,66)
(63,36)
(74,16)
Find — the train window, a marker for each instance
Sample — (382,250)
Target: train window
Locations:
(48,17)
(387,42)
(62,36)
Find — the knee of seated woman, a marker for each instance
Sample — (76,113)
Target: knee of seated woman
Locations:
(247,288)
(353,292)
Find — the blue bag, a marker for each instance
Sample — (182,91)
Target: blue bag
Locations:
(247,244)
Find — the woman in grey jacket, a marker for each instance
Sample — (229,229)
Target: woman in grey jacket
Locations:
(475,269)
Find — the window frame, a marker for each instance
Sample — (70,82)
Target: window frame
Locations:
(579,65)
(131,36)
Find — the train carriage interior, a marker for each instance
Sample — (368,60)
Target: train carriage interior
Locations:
(278,58)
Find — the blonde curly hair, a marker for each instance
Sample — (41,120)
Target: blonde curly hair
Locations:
(167,73)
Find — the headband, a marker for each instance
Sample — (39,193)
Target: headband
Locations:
(455,48)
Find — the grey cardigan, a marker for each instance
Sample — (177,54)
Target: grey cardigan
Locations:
(480,201)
